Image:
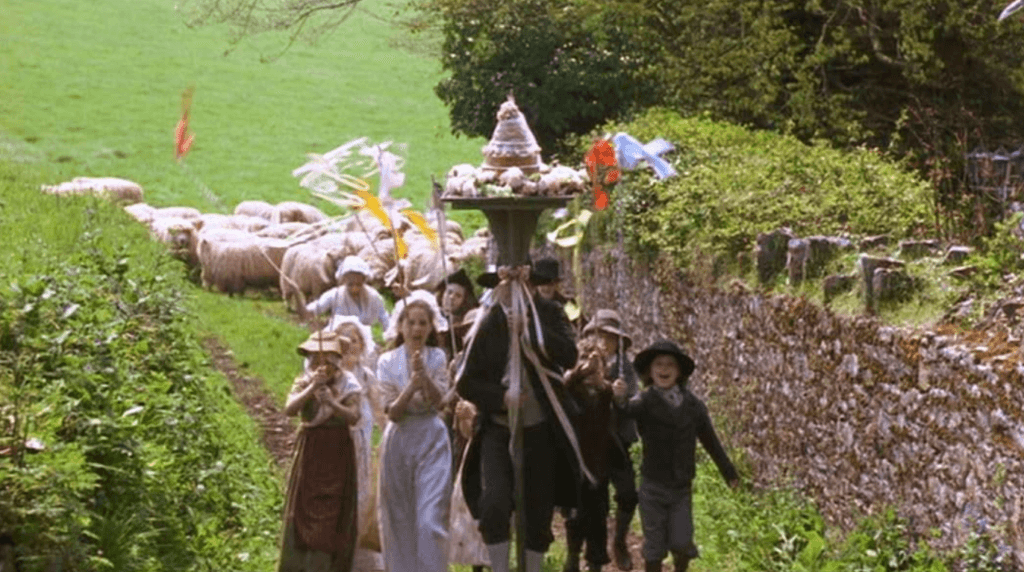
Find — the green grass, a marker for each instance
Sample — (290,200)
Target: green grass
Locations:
(262,338)
(96,88)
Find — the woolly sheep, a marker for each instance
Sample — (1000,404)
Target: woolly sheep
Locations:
(180,212)
(422,267)
(141,212)
(292,211)
(380,255)
(293,230)
(261,209)
(234,265)
(111,188)
(475,248)
(178,234)
(307,271)
(240,222)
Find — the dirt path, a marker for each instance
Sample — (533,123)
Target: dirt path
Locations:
(278,429)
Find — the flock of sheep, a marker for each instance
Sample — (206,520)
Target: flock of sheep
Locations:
(291,246)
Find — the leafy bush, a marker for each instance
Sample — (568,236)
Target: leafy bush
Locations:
(779,530)
(121,449)
(734,183)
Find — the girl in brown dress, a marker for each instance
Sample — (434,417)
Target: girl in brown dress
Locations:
(320,532)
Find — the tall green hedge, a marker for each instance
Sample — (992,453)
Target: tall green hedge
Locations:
(120,448)
(734,183)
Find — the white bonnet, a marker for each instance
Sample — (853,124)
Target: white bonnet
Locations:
(352,264)
(364,332)
(440,324)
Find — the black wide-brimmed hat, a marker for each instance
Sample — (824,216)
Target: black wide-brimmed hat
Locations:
(642,361)
(462,279)
(490,278)
(545,271)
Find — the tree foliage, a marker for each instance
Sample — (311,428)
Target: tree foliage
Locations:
(922,80)
(919,80)
(570,65)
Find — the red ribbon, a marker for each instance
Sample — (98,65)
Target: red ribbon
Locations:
(603,170)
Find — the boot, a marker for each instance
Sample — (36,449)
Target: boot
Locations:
(620,552)
(652,566)
(573,546)
(499,556)
(681,562)
(534,561)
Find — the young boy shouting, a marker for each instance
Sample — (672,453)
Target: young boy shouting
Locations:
(670,420)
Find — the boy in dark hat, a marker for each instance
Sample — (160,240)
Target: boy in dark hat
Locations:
(671,420)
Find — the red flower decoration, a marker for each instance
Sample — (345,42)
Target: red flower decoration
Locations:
(603,170)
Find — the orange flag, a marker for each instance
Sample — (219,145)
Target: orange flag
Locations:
(182,138)
(421,223)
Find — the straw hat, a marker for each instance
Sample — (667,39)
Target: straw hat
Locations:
(323,342)
(512,144)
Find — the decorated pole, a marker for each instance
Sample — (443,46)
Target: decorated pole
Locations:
(512,188)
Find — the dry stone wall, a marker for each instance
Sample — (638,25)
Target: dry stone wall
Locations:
(859,415)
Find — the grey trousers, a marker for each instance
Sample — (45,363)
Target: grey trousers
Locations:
(666,514)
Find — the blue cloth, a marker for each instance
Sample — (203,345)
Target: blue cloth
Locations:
(629,152)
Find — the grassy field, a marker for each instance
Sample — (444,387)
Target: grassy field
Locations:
(95,89)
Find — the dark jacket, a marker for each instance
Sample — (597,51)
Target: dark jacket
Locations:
(480,384)
(670,438)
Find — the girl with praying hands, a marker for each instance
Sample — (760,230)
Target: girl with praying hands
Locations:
(320,531)
(415,479)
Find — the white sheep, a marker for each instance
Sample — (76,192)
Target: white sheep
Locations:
(111,188)
(234,265)
(241,222)
(293,230)
(141,212)
(293,211)
(261,209)
(180,212)
(421,268)
(307,271)
(178,234)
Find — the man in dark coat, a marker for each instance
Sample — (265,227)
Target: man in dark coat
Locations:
(547,448)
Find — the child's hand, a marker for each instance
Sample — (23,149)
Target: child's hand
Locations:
(619,388)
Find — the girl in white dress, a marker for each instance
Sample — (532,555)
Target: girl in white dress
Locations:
(416,458)
(361,350)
